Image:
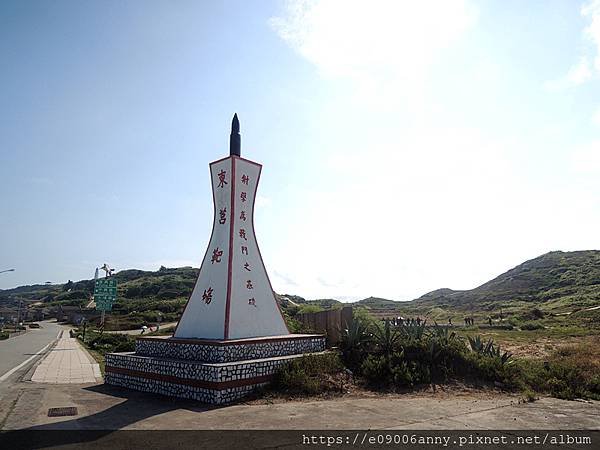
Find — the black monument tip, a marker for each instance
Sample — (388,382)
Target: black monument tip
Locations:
(235,125)
(235,138)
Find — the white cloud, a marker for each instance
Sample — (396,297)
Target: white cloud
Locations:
(385,46)
(586,159)
(589,62)
(578,74)
(596,117)
(591,11)
(262,202)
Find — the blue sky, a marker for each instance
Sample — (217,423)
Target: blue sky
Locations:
(407,146)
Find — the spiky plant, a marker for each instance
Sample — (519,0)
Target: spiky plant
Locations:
(412,333)
(356,340)
(386,339)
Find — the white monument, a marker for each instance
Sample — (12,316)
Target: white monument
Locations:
(231,338)
(233,297)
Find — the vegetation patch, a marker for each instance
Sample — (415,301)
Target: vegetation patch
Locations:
(311,375)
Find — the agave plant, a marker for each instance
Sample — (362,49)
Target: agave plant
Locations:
(386,339)
(497,353)
(412,333)
(488,349)
(356,338)
(442,335)
(480,346)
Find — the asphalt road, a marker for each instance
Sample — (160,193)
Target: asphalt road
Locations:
(15,351)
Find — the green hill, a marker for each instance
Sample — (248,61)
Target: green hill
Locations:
(557,283)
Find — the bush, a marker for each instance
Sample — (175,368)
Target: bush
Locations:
(109,343)
(356,342)
(530,326)
(309,374)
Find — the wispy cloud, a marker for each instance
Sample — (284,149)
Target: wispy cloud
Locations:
(285,278)
(586,159)
(596,117)
(383,46)
(588,65)
(262,202)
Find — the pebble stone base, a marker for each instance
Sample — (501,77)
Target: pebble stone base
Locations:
(230,350)
(209,382)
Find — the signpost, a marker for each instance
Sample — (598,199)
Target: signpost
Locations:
(105,294)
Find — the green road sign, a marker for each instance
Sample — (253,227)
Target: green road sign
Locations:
(105,293)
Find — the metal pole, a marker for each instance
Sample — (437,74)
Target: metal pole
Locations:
(19,315)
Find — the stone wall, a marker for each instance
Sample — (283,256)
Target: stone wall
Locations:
(224,351)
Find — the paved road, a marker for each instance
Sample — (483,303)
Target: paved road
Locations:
(104,407)
(15,351)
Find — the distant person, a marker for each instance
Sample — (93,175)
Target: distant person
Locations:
(418,321)
(490,320)
(450,321)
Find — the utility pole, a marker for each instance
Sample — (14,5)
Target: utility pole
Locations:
(19,315)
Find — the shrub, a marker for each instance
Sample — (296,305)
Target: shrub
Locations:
(381,370)
(386,339)
(109,343)
(356,340)
(309,374)
(530,326)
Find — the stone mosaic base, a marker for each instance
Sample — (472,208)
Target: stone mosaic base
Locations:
(212,396)
(230,350)
(206,381)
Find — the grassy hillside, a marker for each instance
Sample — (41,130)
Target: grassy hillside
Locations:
(558,282)
(555,287)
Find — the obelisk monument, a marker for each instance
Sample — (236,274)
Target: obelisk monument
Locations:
(233,297)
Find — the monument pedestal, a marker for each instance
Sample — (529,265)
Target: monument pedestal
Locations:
(211,371)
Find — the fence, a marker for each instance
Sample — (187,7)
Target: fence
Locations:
(330,323)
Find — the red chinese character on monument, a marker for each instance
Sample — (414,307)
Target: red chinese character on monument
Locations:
(244,250)
(245,179)
(243,196)
(249,284)
(216,257)
(222,216)
(243,234)
(207,296)
(222,181)
(251,301)
(247,267)
(243,216)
